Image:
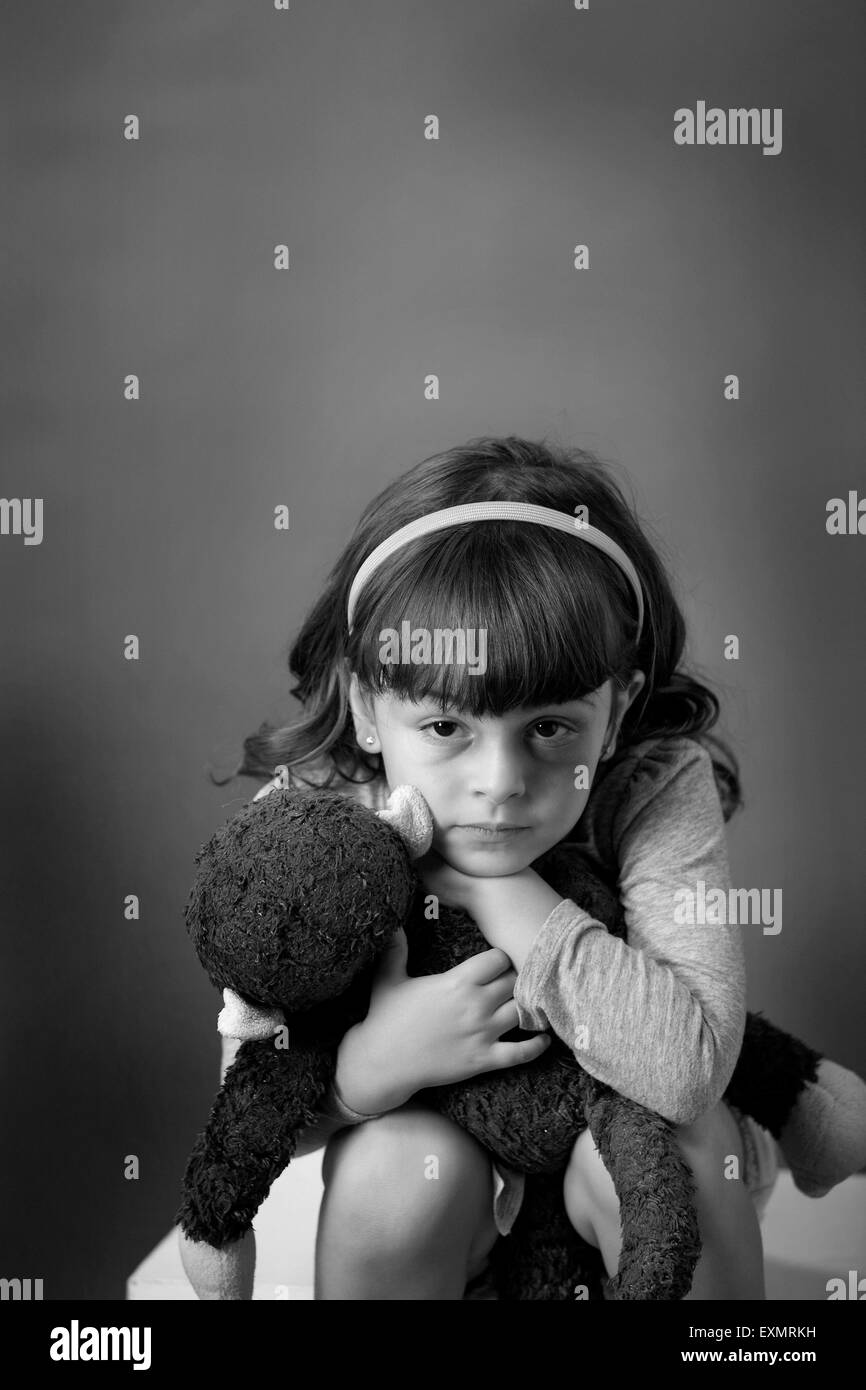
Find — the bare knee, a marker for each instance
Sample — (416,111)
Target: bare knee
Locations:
(410,1176)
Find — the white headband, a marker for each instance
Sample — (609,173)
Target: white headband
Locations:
(496,511)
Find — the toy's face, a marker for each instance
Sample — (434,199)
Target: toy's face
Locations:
(502,791)
(295,896)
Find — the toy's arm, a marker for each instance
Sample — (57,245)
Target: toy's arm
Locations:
(269,1095)
(334,1114)
(814,1108)
(661,1241)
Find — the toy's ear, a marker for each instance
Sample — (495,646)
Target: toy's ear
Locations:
(408,813)
(246,1021)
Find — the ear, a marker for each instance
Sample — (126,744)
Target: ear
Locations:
(361,706)
(622,698)
(625,697)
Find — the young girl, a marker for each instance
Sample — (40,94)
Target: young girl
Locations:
(580,726)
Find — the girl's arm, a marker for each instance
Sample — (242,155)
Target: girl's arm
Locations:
(659,1019)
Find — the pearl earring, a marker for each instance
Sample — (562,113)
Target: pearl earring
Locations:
(369,739)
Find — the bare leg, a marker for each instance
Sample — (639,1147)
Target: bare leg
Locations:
(407,1211)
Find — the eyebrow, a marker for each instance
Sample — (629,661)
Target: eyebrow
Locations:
(580,700)
(587,699)
(590,699)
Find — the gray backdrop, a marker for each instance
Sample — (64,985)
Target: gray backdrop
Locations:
(306,387)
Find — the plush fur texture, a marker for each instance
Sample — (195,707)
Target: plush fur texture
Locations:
(294,899)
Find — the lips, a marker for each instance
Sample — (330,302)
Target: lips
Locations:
(490,825)
(491,834)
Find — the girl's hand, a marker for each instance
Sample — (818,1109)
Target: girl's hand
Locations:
(431,1030)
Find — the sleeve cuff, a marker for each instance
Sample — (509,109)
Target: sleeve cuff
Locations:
(565,918)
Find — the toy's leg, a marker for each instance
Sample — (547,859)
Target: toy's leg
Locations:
(813,1107)
(407,1211)
(731,1262)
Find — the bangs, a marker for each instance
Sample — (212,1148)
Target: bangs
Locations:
(492,618)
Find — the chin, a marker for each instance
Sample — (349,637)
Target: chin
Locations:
(490,863)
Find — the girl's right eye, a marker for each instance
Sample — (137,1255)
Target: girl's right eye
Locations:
(439,724)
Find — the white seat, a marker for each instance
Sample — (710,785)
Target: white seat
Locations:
(806,1242)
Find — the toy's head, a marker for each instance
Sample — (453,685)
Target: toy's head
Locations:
(296,894)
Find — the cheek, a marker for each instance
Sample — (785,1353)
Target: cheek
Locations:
(397,758)
(567,801)
(567,783)
(405,766)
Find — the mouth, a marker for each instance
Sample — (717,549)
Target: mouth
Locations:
(489,830)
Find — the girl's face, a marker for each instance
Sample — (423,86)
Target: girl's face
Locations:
(501,790)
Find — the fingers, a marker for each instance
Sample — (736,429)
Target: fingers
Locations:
(505,1018)
(500,990)
(511,1054)
(486,966)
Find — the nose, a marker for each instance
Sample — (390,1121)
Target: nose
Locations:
(497,774)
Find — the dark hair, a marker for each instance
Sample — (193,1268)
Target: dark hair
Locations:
(560,616)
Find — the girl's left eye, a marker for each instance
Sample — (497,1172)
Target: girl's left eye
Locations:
(552,724)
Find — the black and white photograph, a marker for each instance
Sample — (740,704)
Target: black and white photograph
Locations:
(433,541)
